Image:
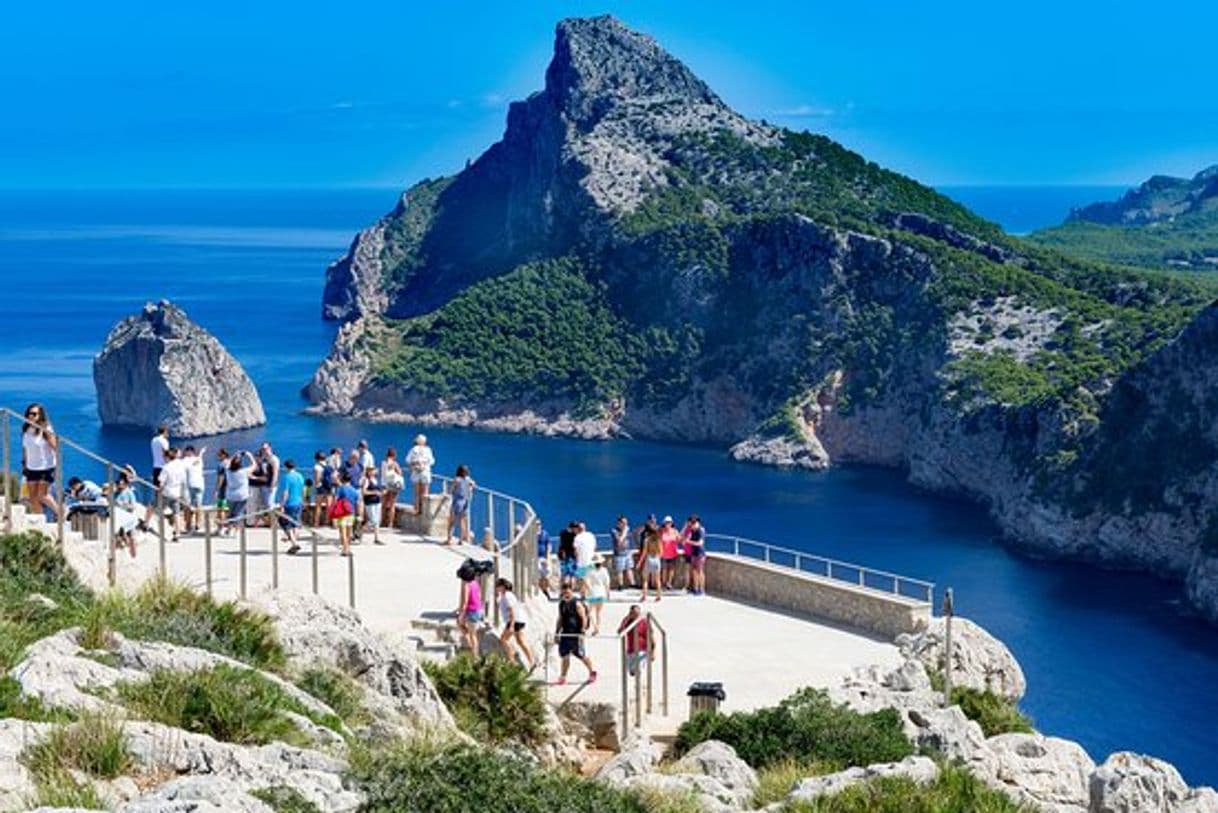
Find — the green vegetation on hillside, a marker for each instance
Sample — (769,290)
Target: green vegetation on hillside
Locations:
(538,333)
(1186,243)
(955,791)
(402,253)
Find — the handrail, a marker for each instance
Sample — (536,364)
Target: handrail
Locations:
(925,589)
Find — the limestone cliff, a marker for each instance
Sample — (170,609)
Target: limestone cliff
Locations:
(158,367)
(634,258)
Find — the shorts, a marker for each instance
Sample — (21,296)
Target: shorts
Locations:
(595,600)
(373,513)
(621,562)
(290,517)
(236,510)
(474,617)
(40,476)
(518,626)
(420,479)
(460,508)
(174,505)
(156,474)
(543,568)
(697,562)
(651,564)
(634,660)
(582,571)
(324,491)
(196,497)
(345,522)
(566,568)
(571,644)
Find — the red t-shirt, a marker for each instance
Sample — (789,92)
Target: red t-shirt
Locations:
(636,638)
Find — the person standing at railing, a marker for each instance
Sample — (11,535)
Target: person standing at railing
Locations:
(670,552)
(596,591)
(515,620)
(585,550)
(343,511)
(194,486)
(270,484)
(174,487)
(126,514)
(370,491)
(419,461)
(325,481)
(39,458)
(461,489)
(571,627)
(394,481)
(623,564)
(240,468)
(650,564)
(221,487)
(291,499)
(694,536)
(158,446)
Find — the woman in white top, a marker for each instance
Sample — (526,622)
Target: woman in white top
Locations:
(39,450)
(238,480)
(512,612)
(596,592)
(420,460)
(393,481)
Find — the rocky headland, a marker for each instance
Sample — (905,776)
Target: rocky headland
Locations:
(159,368)
(634,258)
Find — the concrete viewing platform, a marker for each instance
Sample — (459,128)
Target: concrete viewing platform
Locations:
(760,655)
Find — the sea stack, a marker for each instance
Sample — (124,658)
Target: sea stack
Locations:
(160,368)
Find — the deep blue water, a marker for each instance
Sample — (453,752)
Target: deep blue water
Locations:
(1113,659)
(1022,209)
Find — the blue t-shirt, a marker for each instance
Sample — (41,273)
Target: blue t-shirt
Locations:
(291,489)
(543,543)
(346,490)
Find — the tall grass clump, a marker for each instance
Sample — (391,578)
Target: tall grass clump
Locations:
(225,702)
(955,791)
(993,712)
(338,690)
(94,746)
(491,699)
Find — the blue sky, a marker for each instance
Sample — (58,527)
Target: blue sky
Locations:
(272,94)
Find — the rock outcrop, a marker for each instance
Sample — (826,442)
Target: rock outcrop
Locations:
(979,660)
(160,368)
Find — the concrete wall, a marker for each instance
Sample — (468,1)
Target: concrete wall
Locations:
(780,588)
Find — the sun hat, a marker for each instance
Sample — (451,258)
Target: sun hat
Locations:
(667,519)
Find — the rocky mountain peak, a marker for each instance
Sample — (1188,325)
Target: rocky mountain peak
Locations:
(599,62)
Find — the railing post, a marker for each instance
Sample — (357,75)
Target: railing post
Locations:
(766,548)
(351,580)
(8,478)
(638,690)
(650,670)
(797,563)
(862,582)
(207,550)
(160,518)
(625,693)
(828,568)
(242,534)
(111,559)
(275,548)
(664,667)
(490,519)
(735,546)
(313,556)
(948,611)
(59,487)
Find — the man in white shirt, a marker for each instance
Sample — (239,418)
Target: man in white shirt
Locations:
(366,458)
(194,486)
(585,549)
(159,446)
(175,486)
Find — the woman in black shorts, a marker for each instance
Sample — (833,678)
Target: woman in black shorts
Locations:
(39,450)
(514,622)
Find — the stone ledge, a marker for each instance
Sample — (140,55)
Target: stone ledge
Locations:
(863,608)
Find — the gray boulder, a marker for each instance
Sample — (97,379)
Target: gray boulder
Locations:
(712,795)
(979,660)
(638,758)
(1049,773)
(1134,783)
(158,367)
(718,760)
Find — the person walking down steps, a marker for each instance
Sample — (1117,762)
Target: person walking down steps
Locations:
(571,627)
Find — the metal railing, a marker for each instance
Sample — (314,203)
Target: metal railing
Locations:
(510,528)
(834,569)
(643,679)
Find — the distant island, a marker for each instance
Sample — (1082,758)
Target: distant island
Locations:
(634,258)
(1166,223)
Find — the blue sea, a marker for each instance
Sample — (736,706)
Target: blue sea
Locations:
(1113,659)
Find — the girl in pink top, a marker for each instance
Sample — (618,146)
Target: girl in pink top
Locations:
(469,610)
(670,551)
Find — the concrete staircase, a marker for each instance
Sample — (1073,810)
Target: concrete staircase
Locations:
(437,636)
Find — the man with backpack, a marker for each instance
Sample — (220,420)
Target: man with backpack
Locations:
(571,627)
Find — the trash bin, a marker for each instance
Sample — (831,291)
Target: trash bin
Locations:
(705,697)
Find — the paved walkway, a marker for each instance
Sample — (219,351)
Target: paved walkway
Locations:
(759,655)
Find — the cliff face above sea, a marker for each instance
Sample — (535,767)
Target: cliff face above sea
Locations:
(635,258)
(159,368)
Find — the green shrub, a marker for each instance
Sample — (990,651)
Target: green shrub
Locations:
(283,799)
(60,789)
(338,691)
(805,726)
(491,699)
(955,791)
(94,746)
(228,703)
(458,779)
(994,713)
